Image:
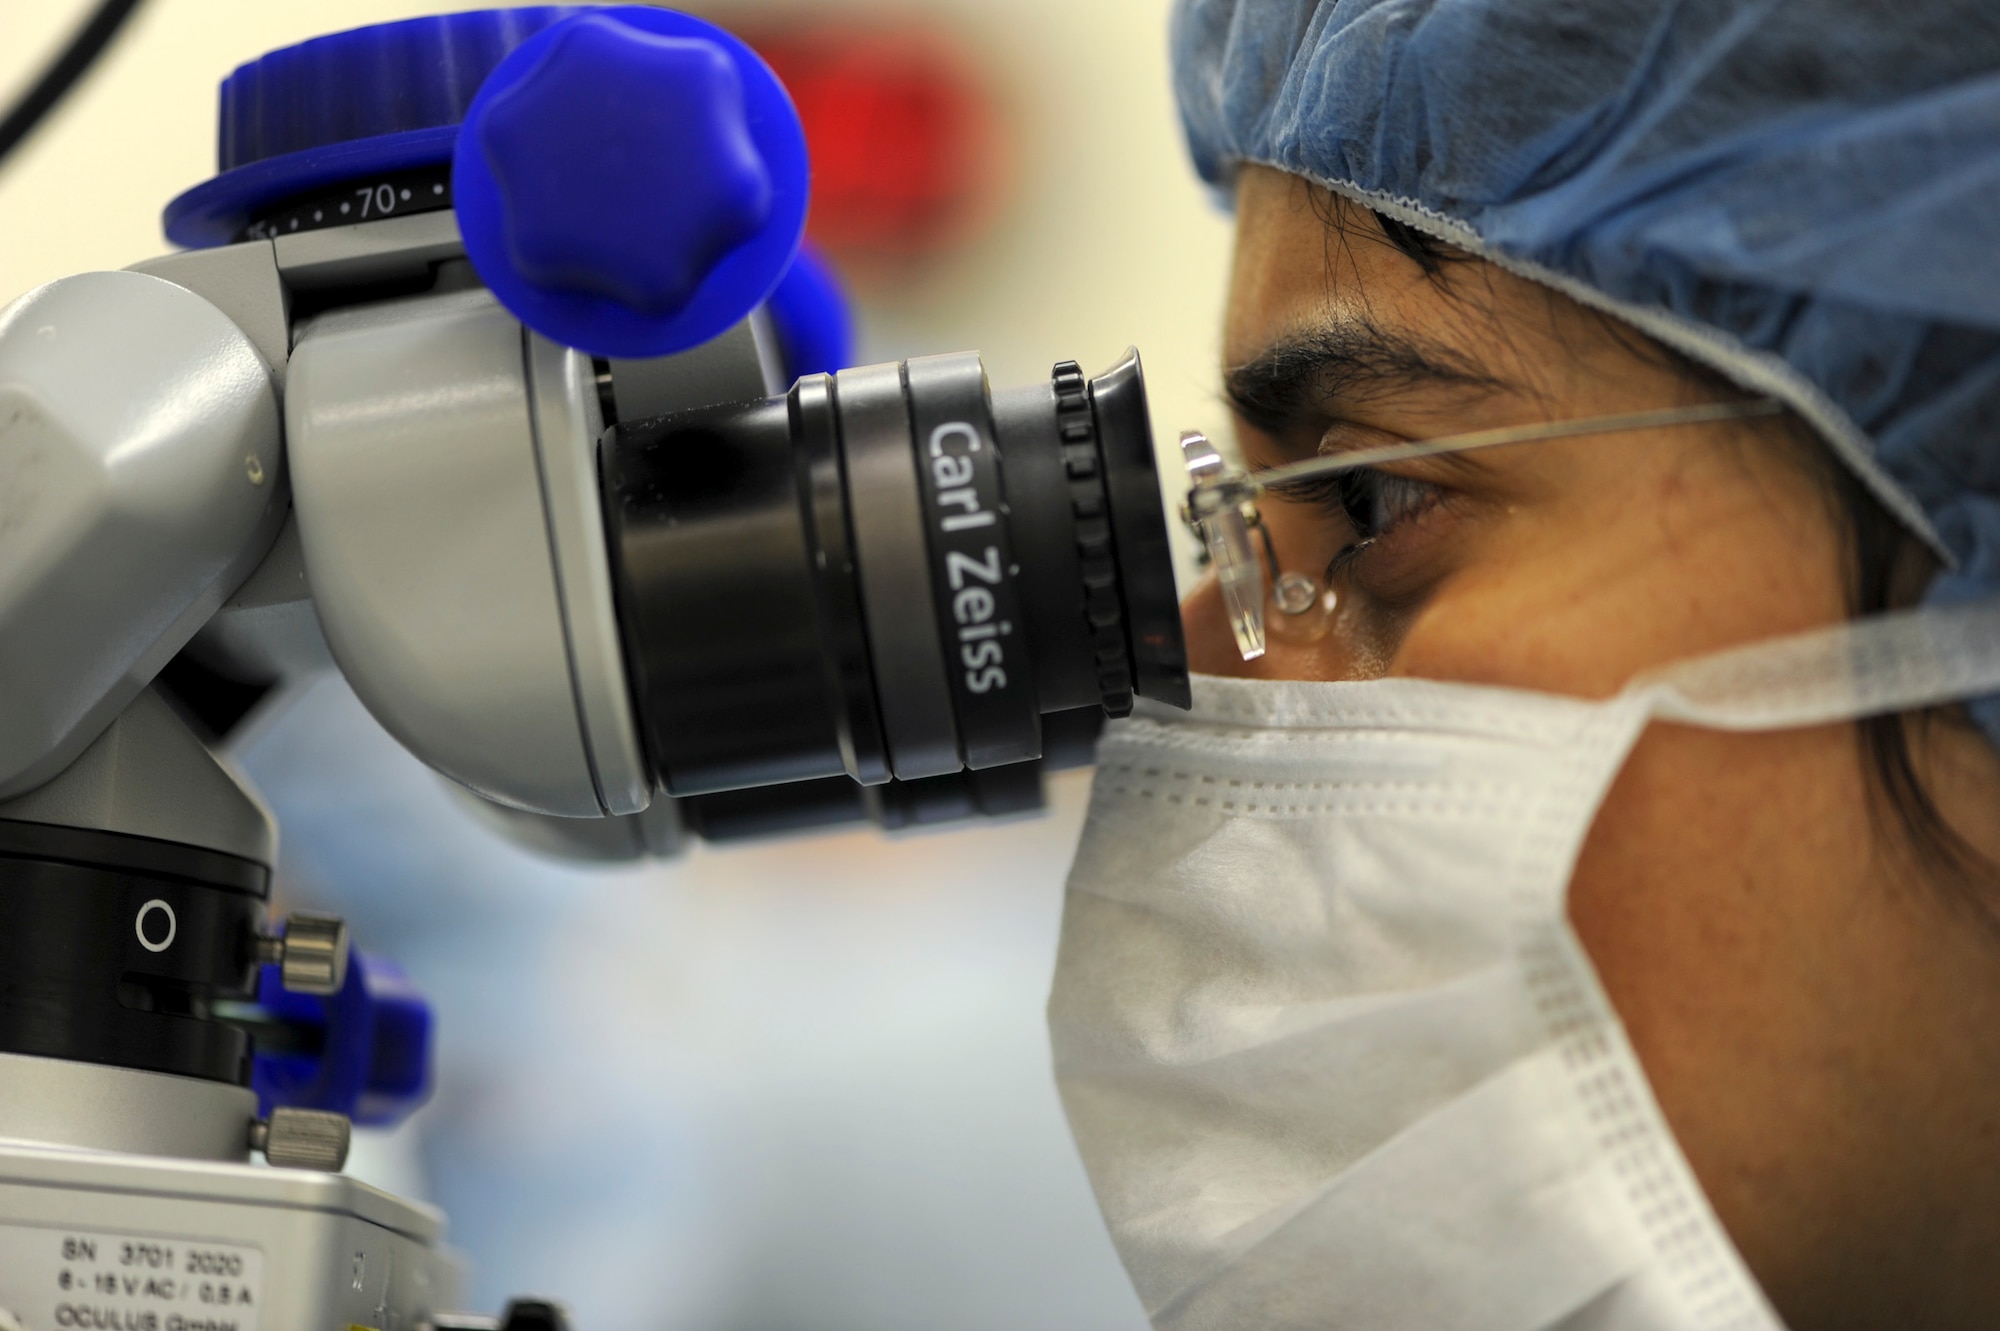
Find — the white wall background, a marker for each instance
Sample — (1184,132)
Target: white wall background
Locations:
(796,1085)
(1109,241)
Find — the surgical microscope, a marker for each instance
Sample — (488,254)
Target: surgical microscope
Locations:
(488,371)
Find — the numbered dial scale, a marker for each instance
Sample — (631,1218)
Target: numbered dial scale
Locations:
(425,190)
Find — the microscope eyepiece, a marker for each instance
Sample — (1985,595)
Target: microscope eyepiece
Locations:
(892,571)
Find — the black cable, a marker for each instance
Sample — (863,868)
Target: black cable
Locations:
(63,72)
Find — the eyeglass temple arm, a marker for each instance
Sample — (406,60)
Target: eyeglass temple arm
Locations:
(1334,464)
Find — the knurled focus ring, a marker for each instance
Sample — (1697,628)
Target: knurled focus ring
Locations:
(1103,612)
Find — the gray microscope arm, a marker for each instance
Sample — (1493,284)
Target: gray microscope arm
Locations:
(141,480)
(414,477)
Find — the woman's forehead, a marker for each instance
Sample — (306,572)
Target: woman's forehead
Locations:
(1308,260)
(1312,268)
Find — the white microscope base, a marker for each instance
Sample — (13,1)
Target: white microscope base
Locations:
(111,1242)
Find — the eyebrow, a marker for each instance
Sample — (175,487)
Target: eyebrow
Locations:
(1350,360)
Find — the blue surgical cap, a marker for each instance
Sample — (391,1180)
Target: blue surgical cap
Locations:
(1802,194)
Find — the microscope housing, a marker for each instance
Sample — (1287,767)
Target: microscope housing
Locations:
(448,394)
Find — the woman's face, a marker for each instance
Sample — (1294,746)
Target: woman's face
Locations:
(1778,976)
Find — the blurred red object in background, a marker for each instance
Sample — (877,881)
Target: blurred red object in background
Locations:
(909,160)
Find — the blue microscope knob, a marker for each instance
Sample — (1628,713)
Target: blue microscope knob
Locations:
(631,181)
(810,312)
(364,1052)
(346,109)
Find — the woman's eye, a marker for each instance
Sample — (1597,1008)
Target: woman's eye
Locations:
(1375,501)
(1366,503)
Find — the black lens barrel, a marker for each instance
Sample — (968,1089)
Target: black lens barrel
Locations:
(988,658)
(905,640)
(714,575)
(889,573)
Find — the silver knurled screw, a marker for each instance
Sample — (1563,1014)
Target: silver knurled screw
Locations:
(311,953)
(302,1139)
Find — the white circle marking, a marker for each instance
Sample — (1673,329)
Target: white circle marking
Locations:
(139,926)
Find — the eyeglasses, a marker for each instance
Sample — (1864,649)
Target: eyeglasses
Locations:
(1222,499)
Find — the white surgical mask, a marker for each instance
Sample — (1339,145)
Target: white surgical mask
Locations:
(1330,1050)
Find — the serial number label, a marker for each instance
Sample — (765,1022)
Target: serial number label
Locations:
(59,1279)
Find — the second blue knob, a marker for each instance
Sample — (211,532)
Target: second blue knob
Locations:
(631,181)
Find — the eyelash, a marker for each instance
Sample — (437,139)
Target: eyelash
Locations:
(1372,502)
(1376,501)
